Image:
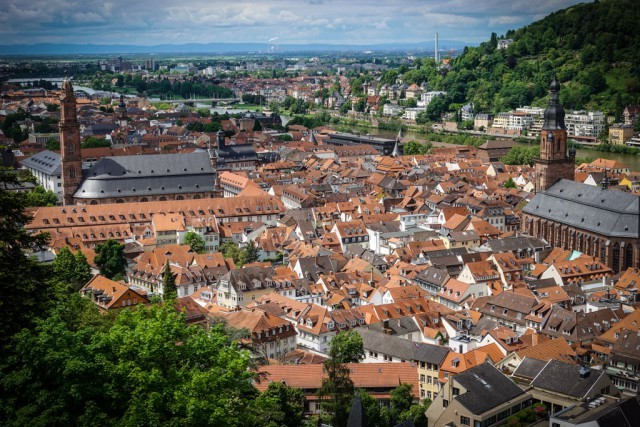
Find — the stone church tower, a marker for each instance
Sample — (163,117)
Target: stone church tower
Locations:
(69,144)
(554,164)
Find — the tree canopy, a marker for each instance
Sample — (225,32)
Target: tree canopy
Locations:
(41,197)
(26,292)
(148,368)
(110,259)
(347,347)
(195,242)
(72,269)
(169,289)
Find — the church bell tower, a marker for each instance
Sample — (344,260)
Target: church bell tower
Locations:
(69,144)
(554,162)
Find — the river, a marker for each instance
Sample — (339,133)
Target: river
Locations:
(629,160)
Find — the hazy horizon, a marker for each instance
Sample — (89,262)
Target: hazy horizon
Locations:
(357,22)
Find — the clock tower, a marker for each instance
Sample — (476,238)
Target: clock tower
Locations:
(554,162)
(69,144)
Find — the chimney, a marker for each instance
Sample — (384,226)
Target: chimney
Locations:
(584,371)
(437,58)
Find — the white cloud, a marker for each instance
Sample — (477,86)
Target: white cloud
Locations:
(368,21)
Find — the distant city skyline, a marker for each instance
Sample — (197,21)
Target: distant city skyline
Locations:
(363,22)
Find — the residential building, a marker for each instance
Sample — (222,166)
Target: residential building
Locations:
(480,396)
(110,295)
(585,123)
(377,379)
(380,347)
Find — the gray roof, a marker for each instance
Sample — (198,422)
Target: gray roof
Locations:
(46,161)
(402,348)
(401,326)
(564,378)
(486,388)
(515,243)
(154,174)
(433,275)
(608,212)
(529,368)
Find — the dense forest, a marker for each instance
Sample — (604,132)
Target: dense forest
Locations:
(593,48)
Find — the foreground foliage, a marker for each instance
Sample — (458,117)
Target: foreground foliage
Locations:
(147,368)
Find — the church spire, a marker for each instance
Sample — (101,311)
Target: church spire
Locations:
(396,150)
(554,162)
(554,113)
(71,159)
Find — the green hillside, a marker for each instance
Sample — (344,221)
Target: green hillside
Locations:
(594,48)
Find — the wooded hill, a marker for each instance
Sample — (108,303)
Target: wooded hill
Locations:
(594,48)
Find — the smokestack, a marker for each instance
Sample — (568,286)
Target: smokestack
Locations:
(436,55)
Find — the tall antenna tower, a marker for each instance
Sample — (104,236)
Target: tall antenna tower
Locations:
(437,57)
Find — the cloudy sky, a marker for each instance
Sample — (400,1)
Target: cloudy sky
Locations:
(150,22)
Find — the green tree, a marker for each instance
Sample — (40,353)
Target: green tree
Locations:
(148,368)
(72,270)
(401,402)
(347,347)
(230,250)
(375,416)
(169,288)
(64,266)
(110,259)
(52,144)
(415,147)
(195,241)
(248,254)
(280,406)
(25,293)
(521,155)
(509,183)
(41,197)
(82,272)
(93,142)
(336,392)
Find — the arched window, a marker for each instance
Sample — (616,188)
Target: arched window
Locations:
(94,202)
(144,199)
(71,149)
(163,199)
(120,201)
(616,258)
(179,198)
(72,172)
(628,256)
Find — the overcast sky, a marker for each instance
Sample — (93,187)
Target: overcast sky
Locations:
(150,22)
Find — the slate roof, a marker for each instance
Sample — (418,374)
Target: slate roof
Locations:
(564,378)
(529,368)
(234,153)
(515,243)
(46,161)
(402,348)
(401,326)
(154,174)
(607,212)
(486,388)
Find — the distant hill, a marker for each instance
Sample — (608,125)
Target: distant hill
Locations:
(215,48)
(594,48)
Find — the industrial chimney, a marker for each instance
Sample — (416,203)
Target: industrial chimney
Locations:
(436,53)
